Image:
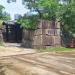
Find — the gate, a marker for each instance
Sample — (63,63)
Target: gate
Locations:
(12,32)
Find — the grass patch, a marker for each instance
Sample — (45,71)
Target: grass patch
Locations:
(1,44)
(56,49)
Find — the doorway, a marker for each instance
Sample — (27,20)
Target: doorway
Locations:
(12,32)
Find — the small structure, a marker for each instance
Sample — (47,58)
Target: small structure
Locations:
(12,31)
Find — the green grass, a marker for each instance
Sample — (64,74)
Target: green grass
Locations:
(56,49)
(1,43)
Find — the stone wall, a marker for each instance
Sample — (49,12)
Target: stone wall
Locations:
(27,39)
(47,34)
(1,36)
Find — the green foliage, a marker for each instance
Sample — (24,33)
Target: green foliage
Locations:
(28,22)
(1,11)
(3,15)
(51,10)
(46,8)
(67,15)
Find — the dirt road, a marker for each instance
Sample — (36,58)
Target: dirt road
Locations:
(14,49)
(37,63)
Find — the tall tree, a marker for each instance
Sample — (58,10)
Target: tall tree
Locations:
(52,10)
(3,15)
(45,8)
(6,16)
(68,15)
(1,11)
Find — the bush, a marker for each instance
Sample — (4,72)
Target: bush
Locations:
(28,22)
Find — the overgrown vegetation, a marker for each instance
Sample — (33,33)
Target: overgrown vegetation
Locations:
(28,22)
(44,9)
(68,16)
(60,10)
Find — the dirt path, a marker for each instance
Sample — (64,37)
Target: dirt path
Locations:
(13,49)
(38,63)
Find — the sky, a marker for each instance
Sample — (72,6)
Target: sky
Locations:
(14,8)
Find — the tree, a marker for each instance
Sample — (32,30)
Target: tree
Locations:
(1,11)
(4,15)
(53,10)
(68,16)
(46,8)
(28,22)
